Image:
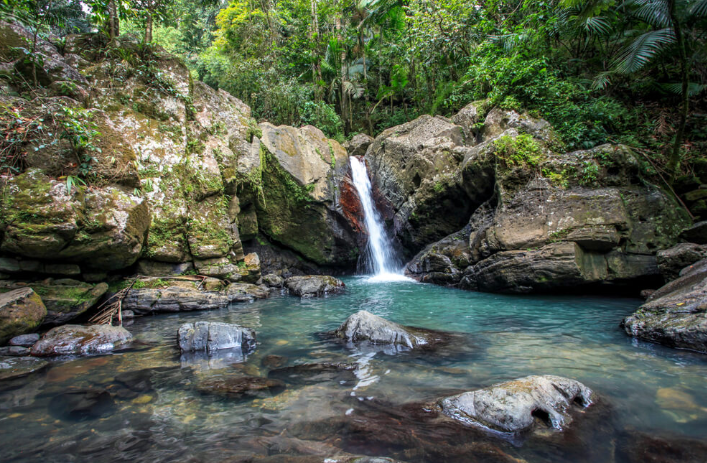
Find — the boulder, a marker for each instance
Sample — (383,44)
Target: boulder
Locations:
(358,145)
(244,292)
(25,340)
(273,281)
(672,261)
(676,314)
(21,311)
(14,367)
(514,406)
(177,297)
(364,326)
(314,286)
(81,340)
(14,351)
(240,387)
(66,298)
(695,234)
(210,337)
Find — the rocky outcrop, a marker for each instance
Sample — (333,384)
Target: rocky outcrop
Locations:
(159,296)
(491,204)
(81,340)
(515,406)
(314,286)
(696,234)
(179,171)
(672,261)
(676,314)
(358,145)
(364,326)
(21,311)
(210,337)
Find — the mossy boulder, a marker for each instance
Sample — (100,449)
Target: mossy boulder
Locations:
(66,299)
(21,311)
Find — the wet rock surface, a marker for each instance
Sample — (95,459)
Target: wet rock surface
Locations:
(14,351)
(676,314)
(314,285)
(514,406)
(342,373)
(81,340)
(364,326)
(14,367)
(25,340)
(21,311)
(82,404)
(636,447)
(211,337)
(672,261)
(240,387)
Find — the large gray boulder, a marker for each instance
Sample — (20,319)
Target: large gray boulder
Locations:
(81,340)
(672,261)
(515,405)
(21,311)
(364,326)
(676,314)
(314,285)
(211,336)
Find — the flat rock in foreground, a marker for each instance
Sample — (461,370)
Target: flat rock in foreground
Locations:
(210,337)
(81,340)
(13,367)
(514,406)
(676,314)
(314,285)
(364,326)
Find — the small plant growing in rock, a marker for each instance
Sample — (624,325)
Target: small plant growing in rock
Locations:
(80,131)
(518,151)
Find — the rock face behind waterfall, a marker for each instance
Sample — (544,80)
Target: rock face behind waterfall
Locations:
(490,201)
(514,406)
(184,175)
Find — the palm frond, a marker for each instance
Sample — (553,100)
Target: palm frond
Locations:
(643,49)
(693,88)
(597,25)
(654,12)
(699,9)
(602,80)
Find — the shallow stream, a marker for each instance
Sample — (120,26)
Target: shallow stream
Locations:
(641,389)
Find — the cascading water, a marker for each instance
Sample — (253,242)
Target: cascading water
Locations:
(382,262)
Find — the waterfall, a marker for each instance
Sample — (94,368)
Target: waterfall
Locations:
(382,263)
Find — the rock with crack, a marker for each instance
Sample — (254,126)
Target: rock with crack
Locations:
(210,337)
(21,311)
(676,314)
(314,285)
(81,340)
(514,406)
(364,326)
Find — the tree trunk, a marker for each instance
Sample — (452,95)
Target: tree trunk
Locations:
(113,21)
(148,28)
(675,156)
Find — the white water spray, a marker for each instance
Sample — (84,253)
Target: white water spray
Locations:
(382,256)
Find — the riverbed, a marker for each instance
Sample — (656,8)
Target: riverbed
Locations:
(165,414)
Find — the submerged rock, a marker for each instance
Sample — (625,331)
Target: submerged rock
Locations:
(314,285)
(21,311)
(676,314)
(81,340)
(240,387)
(81,404)
(312,373)
(635,447)
(13,367)
(364,326)
(14,351)
(210,337)
(514,406)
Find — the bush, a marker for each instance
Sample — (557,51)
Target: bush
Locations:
(324,117)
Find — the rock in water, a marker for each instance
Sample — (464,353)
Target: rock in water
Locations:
(21,311)
(340,373)
(80,404)
(81,340)
(314,285)
(364,326)
(240,387)
(13,367)
(513,406)
(210,337)
(676,314)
